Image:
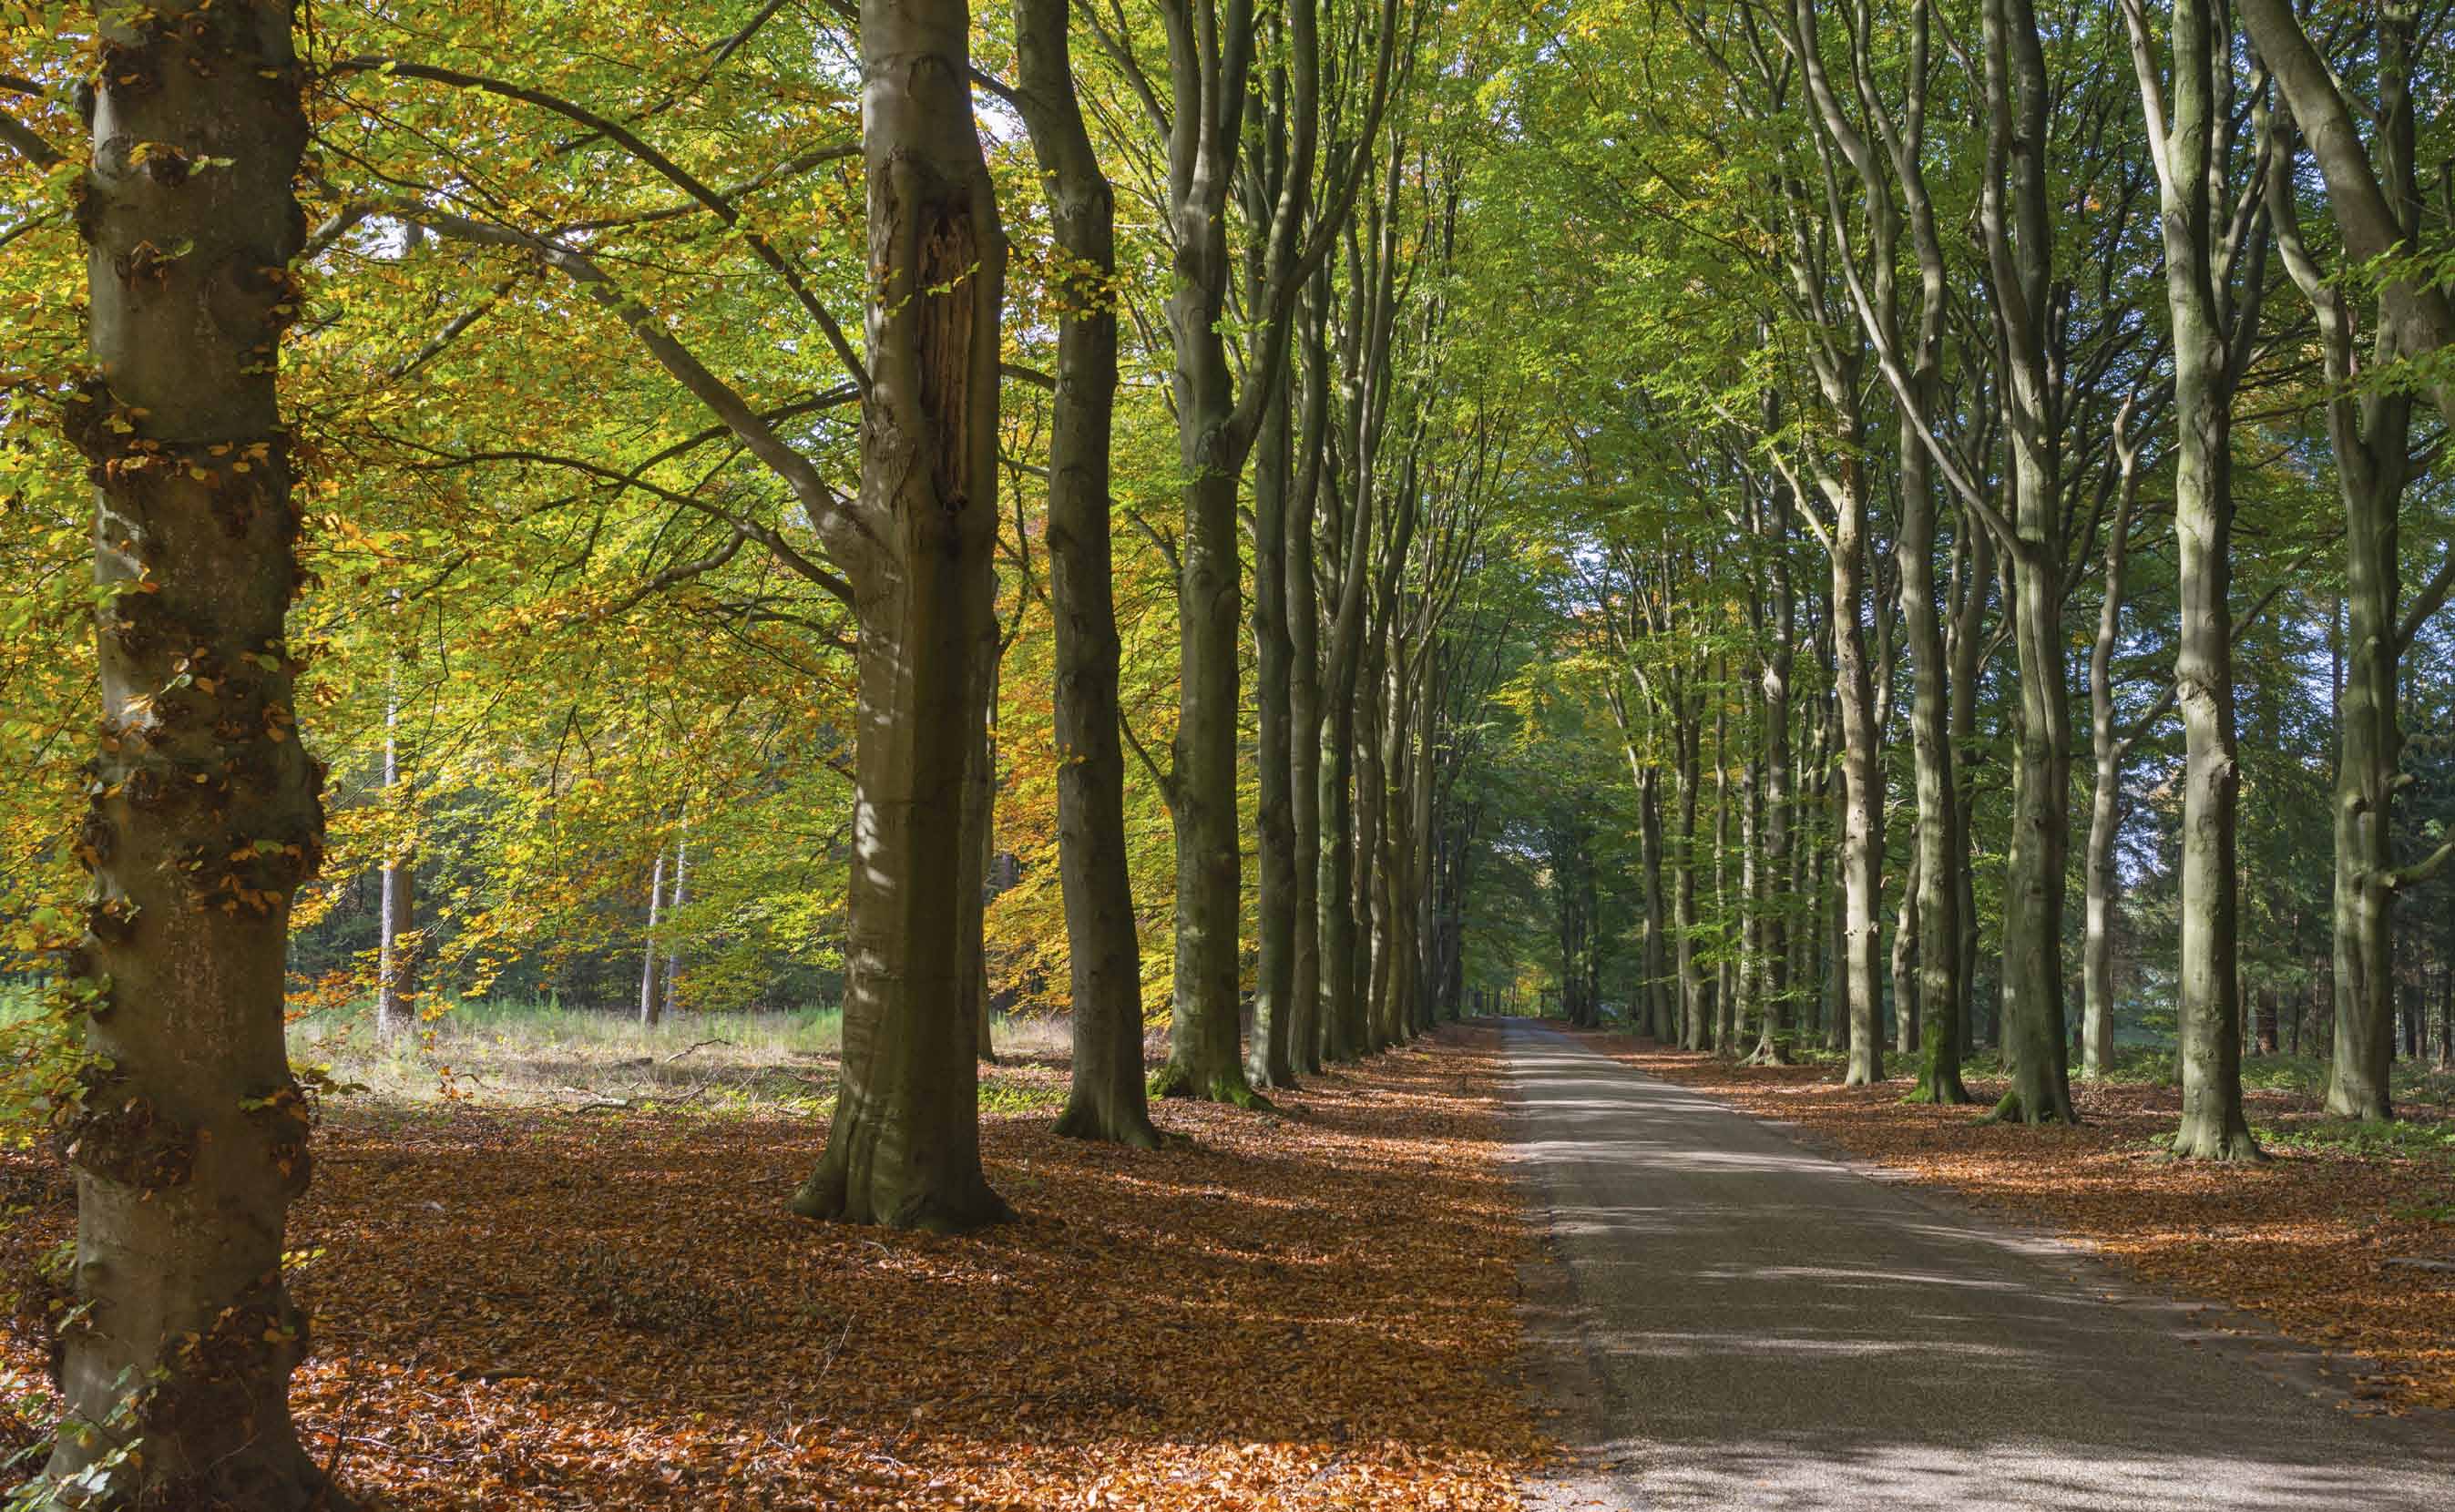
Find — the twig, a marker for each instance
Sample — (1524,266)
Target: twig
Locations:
(701,1045)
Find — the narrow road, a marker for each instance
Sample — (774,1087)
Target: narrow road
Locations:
(1741,1324)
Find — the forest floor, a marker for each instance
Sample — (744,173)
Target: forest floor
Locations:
(2343,1241)
(544,1307)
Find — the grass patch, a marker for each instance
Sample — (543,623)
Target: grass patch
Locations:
(544,1053)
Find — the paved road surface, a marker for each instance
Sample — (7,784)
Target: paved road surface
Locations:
(1747,1326)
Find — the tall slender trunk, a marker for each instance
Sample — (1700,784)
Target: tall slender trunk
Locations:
(2374,194)
(672,992)
(1862,784)
(1694,1004)
(1371,793)
(2108,746)
(1772,1045)
(1304,687)
(1941,991)
(2213,1125)
(903,1144)
(1658,997)
(186,1131)
(2021,244)
(396,913)
(1269,1059)
(1907,950)
(652,1002)
(1203,1033)
(1105,1099)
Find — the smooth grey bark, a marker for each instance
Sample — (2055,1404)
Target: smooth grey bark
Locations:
(903,1144)
(1210,49)
(2019,247)
(1660,997)
(2109,746)
(1774,1041)
(1863,793)
(1372,311)
(397,900)
(1906,952)
(671,985)
(1269,1057)
(2189,116)
(1695,1005)
(1106,1096)
(652,1002)
(1303,598)
(2369,430)
(187,1134)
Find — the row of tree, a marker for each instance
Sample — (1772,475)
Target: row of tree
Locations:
(480,407)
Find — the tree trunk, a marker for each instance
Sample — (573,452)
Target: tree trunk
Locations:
(2213,1124)
(1304,689)
(398,908)
(1106,1097)
(1907,952)
(1202,1058)
(1940,993)
(187,1134)
(1269,1059)
(1693,1008)
(1862,785)
(2020,244)
(670,990)
(1658,997)
(652,1002)
(903,1145)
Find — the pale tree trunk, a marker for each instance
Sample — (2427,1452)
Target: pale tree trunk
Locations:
(1862,784)
(1210,53)
(680,896)
(652,1002)
(1726,996)
(1105,1099)
(187,1132)
(397,905)
(903,1145)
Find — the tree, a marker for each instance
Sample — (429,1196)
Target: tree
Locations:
(904,1146)
(1106,1097)
(187,1131)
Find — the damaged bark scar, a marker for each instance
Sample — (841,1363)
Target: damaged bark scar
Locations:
(115,1134)
(949,257)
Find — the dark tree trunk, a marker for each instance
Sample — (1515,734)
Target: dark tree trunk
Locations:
(1106,1100)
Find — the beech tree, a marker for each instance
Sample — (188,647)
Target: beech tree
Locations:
(186,1129)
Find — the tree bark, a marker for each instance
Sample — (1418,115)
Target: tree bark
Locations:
(903,1145)
(397,897)
(2019,248)
(1106,1097)
(2190,155)
(185,1129)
